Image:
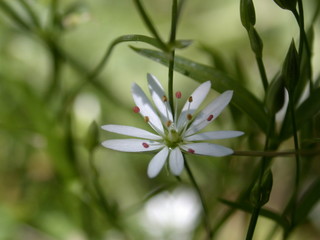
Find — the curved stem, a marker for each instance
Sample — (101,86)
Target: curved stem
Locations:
(203,202)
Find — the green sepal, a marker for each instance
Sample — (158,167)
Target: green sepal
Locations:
(287,4)
(247,13)
(255,41)
(275,95)
(291,68)
(261,191)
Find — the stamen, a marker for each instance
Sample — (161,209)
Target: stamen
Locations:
(190,150)
(146,119)
(136,109)
(164,99)
(145,145)
(168,123)
(190,99)
(189,116)
(178,96)
(210,118)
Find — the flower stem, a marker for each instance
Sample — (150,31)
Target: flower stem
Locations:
(297,156)
(149,23)
(203,203)
(260,203)
(172,39)
(262,72)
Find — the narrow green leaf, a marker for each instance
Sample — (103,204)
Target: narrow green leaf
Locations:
(7,9)
(242,98)
(308,109)
(263,212)
(134,38)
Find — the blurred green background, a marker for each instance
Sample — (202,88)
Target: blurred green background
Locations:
(47,107)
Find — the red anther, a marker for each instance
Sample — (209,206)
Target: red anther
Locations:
(190,99)
(145,145)
(210,118)
(178,94)
(164,99)
(189,116)
(136,109)
(190,150)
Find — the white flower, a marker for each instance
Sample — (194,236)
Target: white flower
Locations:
(174,133)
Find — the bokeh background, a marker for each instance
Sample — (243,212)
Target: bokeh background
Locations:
(47,107)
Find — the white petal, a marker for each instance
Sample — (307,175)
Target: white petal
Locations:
(157,94)
(214,109)
(213,135)
(132,145)
(157,162)
(146,108)
(197,98)
(130,131)
(176,161)
(208,149)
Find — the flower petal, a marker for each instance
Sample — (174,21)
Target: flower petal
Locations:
(131,131)
(146,109)
(211,112)
(157,94)
(197,98)
(176,161)
(208,149)
(157,162)
(132,145)
(213,135)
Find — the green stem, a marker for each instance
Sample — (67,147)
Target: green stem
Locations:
(172,39)
(297,156)
(304,41)
(56,70)
(253,222)
(149,23)
(262,72)
(308,152)
(264,164)
(53,13)
(203,203)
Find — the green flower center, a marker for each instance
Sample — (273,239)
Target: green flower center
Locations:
(173,138)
